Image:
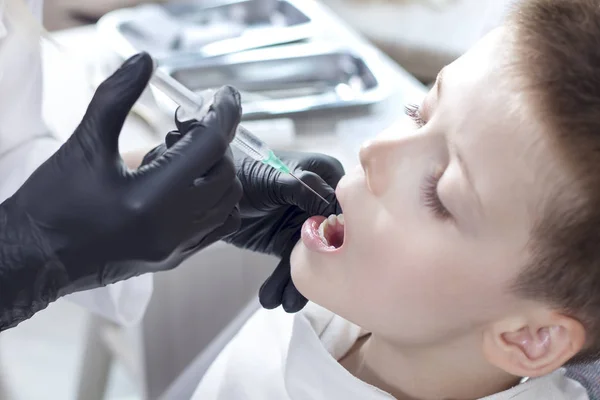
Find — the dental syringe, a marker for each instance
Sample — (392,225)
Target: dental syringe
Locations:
(193,105)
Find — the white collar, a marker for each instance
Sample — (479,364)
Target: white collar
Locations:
(311,370)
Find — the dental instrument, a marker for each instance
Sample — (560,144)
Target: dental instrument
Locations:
(195,106)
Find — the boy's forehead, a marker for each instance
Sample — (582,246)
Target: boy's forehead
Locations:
(489,56)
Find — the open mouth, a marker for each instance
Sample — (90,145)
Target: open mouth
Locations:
(331,231)
(324,235)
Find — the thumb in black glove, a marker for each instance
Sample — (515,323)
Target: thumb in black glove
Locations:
(83,220)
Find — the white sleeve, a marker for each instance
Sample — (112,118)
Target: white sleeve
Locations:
(123,302)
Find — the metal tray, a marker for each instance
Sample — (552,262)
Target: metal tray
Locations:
(286,80)
(204,28)
(299,65)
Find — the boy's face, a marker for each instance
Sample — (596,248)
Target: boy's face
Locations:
(438,217)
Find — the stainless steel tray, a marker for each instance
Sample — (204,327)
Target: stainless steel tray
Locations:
(299,65)
(204,28)
(286,80)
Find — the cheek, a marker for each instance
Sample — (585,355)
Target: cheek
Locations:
(408,269)
(427,270)
(420,292)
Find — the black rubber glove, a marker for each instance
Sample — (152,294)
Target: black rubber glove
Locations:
(273,208)
(83,220)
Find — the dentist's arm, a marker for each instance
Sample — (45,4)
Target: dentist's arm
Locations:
(83,220)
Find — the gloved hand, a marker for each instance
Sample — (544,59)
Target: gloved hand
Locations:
(83,220)
(273,208)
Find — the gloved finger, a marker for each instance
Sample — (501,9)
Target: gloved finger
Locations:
(292,300)
(221,206)
(292,192)
(154,154)
(224,171)
(172,138)
(204,145)
(185,126)
(270,294)
(218,180)
(232,224)
(327,167)
(114,98)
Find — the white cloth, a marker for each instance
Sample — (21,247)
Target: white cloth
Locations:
(25,143)
(294,357)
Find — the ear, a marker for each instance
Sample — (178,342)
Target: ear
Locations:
(533,346)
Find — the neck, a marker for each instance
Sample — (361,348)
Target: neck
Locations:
(454,370)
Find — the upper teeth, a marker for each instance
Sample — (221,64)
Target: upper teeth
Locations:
(332,220)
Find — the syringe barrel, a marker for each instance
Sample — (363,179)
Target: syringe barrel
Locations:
(195,105)
(250,144)
(189,101)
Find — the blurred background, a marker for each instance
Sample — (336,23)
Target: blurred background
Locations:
(421,35)
(361,61)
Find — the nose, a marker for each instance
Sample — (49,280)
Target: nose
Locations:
(376,157)
(384,157)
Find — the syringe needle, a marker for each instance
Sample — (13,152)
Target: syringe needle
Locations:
(309,188)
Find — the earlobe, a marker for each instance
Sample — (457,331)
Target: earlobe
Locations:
(533,349)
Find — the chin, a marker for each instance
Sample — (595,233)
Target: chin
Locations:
(311,274)
(301,272)
(316,280)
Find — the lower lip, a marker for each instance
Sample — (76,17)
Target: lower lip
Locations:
(311,238)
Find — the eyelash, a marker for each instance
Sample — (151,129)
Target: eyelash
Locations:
(431,197)
(430,194)
(412,110)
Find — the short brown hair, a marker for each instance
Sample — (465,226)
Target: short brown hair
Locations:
(557,51)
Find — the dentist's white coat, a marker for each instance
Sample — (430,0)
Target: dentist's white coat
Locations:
(25,143)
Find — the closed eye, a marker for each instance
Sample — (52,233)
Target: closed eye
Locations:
(431,198)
